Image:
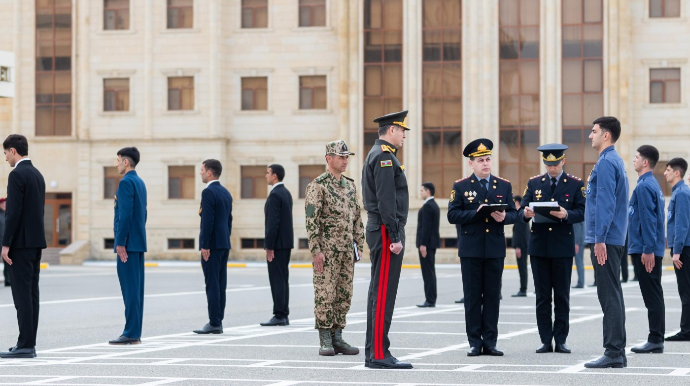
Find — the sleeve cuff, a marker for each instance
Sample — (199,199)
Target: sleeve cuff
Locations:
(646,250)
(599,239)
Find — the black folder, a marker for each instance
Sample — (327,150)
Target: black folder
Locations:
(488,209)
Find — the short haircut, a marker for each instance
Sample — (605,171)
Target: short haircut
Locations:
(430,187)
(650,153)
(131,153)
(384,129)
(678,164)
(18,142)
(278,170)
(610,124)
(517,198)
(214,166)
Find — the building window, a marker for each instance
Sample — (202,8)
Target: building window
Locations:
(441,93)
(252,243)
(180,13)
(115,14)
(383,47)
(180,243)
(303,243)
(307,174)
(111,179)
(255,93)
(5,74)
(519,89)
(312,92)
(664,85)
(312,13)
(181,93)
(449,242)
(254,182)
(254,13)
(109,244)
(53,68)
(664,8)
(181,182)
(116,94)
(658,173)
(582,80)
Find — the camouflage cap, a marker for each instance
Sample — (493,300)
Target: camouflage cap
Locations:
(338,147)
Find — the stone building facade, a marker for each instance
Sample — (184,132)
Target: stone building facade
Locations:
(256,82)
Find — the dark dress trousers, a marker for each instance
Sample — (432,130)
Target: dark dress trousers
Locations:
(279,236)
(521,240)
(24,235)
(428,220)
(678,238)
(6,269)
(482,252)
(130,232)
(214,235)
(551,250)
(386,199)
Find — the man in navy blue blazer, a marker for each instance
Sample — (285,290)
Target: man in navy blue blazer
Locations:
(130,243)
(278,243)
(214,242)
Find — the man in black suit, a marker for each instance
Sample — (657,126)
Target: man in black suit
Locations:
(23,241)
(214,242)
(278,243)
(428,240)
(519,242)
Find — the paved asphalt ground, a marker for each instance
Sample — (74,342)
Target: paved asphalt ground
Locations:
(82,309)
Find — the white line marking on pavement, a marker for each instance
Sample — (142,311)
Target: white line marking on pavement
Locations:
(49,380)
(284,383)
(680,372)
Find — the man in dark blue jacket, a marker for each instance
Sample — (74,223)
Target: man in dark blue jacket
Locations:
(130,243)
(278,243)
(482,244)
(214,243)
(606,224)
(678,239)
(646,245)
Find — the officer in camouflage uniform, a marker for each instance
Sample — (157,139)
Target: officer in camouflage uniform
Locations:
(334,224)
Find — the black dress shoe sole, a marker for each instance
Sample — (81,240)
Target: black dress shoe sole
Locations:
(655,351)
(201,332)
(272,324)
(18,356)
(540,351)
(386,366)
(615,366)
(124,343)
(493,354)
(473,355)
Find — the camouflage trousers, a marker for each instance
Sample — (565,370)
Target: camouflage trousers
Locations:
(333,290)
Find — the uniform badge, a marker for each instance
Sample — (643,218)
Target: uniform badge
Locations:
(538,194)
(402,167)
(471,196)
(631,210)
(584,192)
(386,164)
(452,195)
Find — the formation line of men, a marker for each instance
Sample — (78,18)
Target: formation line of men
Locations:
(480,205)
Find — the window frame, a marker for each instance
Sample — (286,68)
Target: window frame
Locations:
(182,179)
(663,10)
(115,179)
(181,241)
(313,92)
(663,86)
(254,179)
(254,96)
(311,14)
(253,7)
(116,92)
(117,11)
(193,88)
(169,7)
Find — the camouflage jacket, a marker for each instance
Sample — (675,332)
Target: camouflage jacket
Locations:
(333,215)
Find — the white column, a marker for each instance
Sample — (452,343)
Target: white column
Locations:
(148,69)
(18,58)
(550,88)
(412,85)
(81,29)
(214,69)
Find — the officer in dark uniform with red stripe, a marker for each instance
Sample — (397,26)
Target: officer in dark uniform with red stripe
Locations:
(481,244)
(386,200)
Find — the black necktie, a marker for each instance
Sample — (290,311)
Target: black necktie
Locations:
(484,182)
(553,184)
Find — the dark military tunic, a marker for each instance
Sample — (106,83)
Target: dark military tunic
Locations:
(482,251)
(386,200)
(551,249)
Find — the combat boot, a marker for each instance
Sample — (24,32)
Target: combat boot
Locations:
(340,346)
(326,348)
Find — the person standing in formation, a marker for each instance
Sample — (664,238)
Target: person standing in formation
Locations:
(428,240)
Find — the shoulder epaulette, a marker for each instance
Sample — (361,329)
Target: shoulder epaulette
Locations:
(501,178)
(348,178)
(387,149)
(321,177)
(463,179)
(535,177)
(574,177)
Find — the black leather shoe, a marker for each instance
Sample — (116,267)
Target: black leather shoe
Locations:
(544,348)
(388,363)
(520,294)
(648,348)
(460,301)
(122,340)
(209,329)
(605,362)
(579,286)
(426,305)
(276,322)
(679,337)
(474,352)
(493,351)
(562,348)
(16,352)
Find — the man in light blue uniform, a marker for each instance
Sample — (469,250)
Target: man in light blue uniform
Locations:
(678,239)
(606,224)
(130,243)
(646,245)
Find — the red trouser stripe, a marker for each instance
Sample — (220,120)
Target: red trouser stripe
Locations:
(379,322)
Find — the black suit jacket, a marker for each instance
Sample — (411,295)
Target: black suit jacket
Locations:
(26,197)
(521,236)
(427,225)
(278,212)
(216,217)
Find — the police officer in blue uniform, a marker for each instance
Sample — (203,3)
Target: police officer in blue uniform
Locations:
(482,244)
(552,243)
